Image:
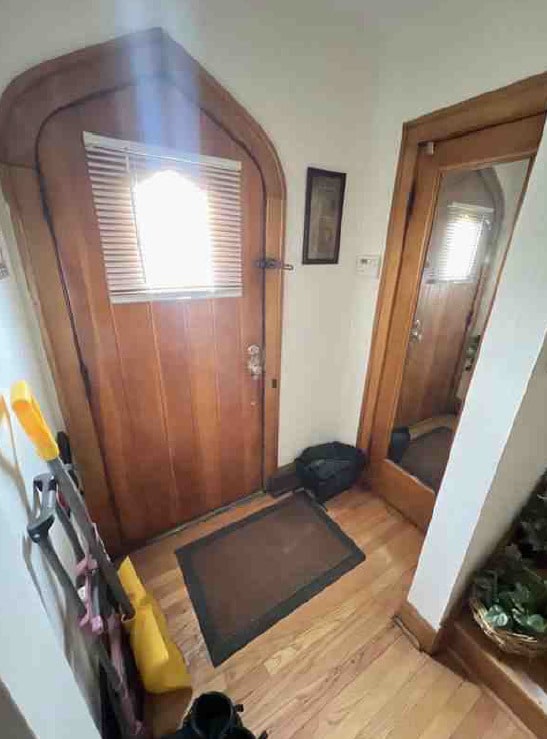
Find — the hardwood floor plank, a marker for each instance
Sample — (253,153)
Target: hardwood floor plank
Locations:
(452,715)
(270,696)
(299,715)
(503,727)
(414,708)
(479,720)
(371,691)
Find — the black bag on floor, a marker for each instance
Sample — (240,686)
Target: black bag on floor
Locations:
(328,469)
(214,716)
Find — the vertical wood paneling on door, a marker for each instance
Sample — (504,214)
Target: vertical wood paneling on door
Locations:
(205,406)
(235,477)
(456,304)
(229,367)
(252,330)
(180,121)
(427,386)
(140,117)
(129,114)
(67,184)
(172,343)
(238,325)
(152,473)
(229,354)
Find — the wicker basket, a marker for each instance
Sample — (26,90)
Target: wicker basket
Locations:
(507,641)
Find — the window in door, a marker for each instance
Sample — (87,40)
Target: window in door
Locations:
(169,222)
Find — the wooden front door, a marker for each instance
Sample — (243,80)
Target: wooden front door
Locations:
(178,414)
(410,374)
(434,350)
(446,302)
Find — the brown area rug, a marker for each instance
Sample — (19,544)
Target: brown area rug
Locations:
(247,576)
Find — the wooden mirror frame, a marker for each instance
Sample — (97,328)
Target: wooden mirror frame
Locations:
(513,102)
(26,105)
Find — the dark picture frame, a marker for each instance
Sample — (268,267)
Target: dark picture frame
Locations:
(323,216)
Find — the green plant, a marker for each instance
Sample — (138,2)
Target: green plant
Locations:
(531,531)
(514,594)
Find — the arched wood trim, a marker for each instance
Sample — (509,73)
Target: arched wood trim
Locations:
(27,103)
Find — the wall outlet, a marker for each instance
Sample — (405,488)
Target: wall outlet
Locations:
(368,265)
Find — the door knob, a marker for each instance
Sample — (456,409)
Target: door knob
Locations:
(255,361)
(416,332)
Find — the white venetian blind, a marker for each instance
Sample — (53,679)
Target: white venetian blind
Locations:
(457,258)
(169,222)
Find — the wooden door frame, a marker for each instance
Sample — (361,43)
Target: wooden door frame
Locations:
(25,106)
(519,100)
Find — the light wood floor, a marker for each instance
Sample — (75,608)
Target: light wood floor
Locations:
(336,667)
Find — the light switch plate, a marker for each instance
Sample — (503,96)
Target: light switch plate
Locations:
(368,265)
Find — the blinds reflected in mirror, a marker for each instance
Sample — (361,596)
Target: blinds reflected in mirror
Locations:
(458,257)
(169,222)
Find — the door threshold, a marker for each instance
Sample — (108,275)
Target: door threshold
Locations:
(205,517)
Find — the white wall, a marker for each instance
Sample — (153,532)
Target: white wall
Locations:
(523,462)
(37,642)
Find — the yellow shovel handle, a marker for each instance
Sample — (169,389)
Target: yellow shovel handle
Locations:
(26,408)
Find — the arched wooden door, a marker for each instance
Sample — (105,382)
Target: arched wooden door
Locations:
(179,415)
(173,423)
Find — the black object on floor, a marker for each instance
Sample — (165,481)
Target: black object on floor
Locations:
(329,469)
(400,440)
(244,578)
(214,716)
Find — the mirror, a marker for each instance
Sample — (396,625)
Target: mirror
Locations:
(474,217)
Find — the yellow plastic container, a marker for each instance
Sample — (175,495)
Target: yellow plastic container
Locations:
(159,661)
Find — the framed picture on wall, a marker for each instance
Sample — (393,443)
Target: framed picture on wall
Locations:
(323,217)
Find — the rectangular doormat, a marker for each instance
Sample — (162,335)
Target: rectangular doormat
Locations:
(244,578)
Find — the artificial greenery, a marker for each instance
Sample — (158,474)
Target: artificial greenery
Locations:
(513,586)
(531,530)
(514,593)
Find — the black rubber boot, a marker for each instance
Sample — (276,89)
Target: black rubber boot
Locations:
(243,733)
(212,716)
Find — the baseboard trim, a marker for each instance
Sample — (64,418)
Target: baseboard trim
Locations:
(420,631)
